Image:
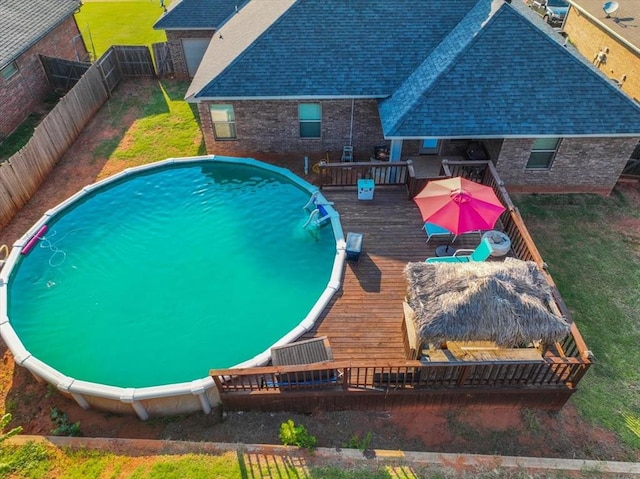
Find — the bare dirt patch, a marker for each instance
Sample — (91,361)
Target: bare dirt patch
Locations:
(487,431)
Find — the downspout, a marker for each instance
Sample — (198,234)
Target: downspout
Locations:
(353,101)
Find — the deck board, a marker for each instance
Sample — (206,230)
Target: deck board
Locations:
(364,319)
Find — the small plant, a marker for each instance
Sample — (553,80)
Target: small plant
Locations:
(4,422)
(292,435)
(64,428)
(355,442)
(530,420)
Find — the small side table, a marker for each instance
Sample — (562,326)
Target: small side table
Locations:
(354,246)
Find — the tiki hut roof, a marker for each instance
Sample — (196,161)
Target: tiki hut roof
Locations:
(506,302)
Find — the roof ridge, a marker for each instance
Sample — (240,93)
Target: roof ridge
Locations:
(438,62)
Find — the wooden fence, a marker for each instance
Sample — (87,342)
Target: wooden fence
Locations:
(134,61)
(162,55)
(22,174)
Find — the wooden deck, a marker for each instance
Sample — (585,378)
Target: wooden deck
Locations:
(364,319)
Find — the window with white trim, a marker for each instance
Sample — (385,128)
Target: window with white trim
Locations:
(224,122)
(542,154)
(310,118)
(10,70)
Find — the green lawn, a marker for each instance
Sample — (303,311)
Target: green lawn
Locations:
(149,121)
(593,251)
(37,461)
(103,24)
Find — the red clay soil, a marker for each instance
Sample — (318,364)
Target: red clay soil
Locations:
(484,431)
(510,432)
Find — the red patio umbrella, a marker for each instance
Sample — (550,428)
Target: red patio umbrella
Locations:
(459,205)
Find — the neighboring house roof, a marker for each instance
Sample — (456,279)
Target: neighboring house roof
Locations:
(24,23)
(469,68)
(197,14)
(624,23)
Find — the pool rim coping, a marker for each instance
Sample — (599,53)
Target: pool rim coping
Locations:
(77,388)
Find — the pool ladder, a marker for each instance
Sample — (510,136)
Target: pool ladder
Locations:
(319,214)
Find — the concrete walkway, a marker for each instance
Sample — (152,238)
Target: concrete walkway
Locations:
(466,461)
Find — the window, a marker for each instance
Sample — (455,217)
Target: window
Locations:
(430,146)
(310,117)
(8,71)
(224,122)
(542,153)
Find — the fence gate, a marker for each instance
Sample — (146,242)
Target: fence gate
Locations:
(108,64)
(135,61)
(63,74)
(162,56)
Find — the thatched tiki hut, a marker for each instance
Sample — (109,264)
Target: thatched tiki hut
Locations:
(496,305)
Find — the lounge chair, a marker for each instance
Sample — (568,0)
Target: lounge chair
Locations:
(434,230)
(481,253)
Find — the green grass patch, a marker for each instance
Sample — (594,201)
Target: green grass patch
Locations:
(596,265)
(164,127)
(35,461)
(31,461)
(20,137)
(103,24)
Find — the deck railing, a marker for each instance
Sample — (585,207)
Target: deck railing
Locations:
(348,174)
(384,375)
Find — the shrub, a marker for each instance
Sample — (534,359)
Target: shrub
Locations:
(355,442)
(6,419)
(64,428)
(292,435)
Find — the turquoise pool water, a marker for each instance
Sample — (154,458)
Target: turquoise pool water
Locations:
(161,276)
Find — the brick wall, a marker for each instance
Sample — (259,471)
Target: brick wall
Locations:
(270,130)
(24,92)
(174,39)
(589,39)
(590,165)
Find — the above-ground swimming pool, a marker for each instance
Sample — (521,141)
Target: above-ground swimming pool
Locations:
(138,285)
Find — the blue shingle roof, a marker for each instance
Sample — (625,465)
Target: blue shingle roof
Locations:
(512,80)
(469,68)
(339,48)
(23,23)
(197,14)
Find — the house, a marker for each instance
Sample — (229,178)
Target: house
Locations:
(611,41)
(189,25)
(295,78)
(30,29)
